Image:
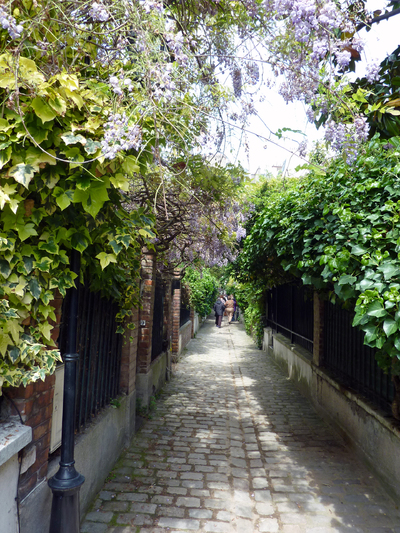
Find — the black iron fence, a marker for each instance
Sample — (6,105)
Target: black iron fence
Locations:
(157,343)
(290,311)
(354,363)
(99,348)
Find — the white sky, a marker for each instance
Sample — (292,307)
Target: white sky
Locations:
(276,114)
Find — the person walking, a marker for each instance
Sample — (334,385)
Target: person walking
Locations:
(230,308)
(219,308)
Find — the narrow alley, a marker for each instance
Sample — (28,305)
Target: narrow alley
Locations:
(233,447)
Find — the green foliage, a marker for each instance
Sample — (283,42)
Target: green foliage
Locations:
(250,299)
(54,197)
(340,232)
(203,290)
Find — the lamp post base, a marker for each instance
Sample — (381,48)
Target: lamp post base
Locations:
(65,511)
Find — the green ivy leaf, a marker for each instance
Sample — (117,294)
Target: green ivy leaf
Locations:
(376,309)
(5,156)
(46,329)
(120,182)
(366,284)
(22,173)
(44,264)
(91,146)
(70,138)
(50,246)
(43,110)
(24,232)
(116,247)
(79,241)
(5,269)
(106,259)
(83,182)
(130,165)
(389,326)
(14,329)
(14,353)
(358,250)
(389,270)
(5,341)
(34,288)
(347,279)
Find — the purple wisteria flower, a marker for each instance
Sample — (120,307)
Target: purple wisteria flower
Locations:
(98,12)
(119,135)
(7,22)
(372,71)
(240,233)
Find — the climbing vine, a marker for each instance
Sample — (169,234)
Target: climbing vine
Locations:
(338,230)
(57,193)
(203,289)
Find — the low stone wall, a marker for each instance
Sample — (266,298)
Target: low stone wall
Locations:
(185,335)
(148,384)
(375,435)
(96,451)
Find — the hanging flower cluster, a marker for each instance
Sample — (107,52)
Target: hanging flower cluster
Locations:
(119,135)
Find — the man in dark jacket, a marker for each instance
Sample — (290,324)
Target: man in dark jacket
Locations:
(219,308)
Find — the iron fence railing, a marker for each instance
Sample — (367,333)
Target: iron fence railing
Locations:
(185,314)
(290,311)
(351,361)
(99,348)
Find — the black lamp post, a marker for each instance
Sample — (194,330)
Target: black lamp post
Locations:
(66,483)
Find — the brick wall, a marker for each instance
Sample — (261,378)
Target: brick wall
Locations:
(35,404)
(318,351)
(129,355)
(148,274)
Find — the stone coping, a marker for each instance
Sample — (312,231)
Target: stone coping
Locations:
(13,437)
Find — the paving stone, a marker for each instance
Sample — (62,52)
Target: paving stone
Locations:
(175,512)
(200,513)
(268,525)
(218,527)
(91,527)
(188,502)
(99,517)
(179,523)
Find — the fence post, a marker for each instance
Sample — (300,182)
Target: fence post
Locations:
(319,311)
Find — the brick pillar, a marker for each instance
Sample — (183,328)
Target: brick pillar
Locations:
(129,354)
(176,319)
(318,352)
(35,404)
(146,313)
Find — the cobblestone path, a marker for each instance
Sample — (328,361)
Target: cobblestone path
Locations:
(234,448)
